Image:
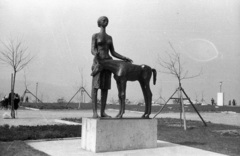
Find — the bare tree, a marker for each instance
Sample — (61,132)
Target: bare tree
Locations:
(25,80)
(196,98)
(161,98)
(81,89)
(202,100)
(14,54)
(174,67)
(26,86)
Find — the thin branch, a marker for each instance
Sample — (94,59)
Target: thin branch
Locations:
(193,76)
(14,54)
(6,46)
(174,66)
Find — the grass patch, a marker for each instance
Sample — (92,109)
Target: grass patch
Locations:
(11,138)
(51,106)
(77,120)
(199,136)
(168,108)
(11,133)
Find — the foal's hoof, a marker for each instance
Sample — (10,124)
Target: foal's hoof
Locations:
(119,116)
(104,115)
(147,117)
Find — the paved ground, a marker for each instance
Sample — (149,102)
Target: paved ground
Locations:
(72,146)
(43,117)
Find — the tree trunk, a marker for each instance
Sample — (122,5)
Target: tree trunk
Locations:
(12,97)
(183,111)
(182,106)
(179,101)
(13,78)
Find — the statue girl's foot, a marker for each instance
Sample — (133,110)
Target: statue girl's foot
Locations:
(104,115)
(95,115)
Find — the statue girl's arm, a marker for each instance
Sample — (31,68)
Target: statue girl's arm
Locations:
(115,54)
(94,46)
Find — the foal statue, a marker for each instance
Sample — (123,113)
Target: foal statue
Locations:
(124,71)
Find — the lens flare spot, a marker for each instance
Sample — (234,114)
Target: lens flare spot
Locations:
(200,50)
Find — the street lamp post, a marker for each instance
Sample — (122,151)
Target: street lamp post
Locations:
(220,86)
(220,96)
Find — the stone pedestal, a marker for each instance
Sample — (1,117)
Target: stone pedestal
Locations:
(220,99)
(104,135)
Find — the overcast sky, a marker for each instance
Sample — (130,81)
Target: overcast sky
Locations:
(58,33)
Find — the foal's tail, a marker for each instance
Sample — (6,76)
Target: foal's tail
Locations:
(154,76)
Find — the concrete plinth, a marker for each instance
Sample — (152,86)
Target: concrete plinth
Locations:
(104,135)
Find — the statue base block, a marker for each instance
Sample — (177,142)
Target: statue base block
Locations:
(104,135)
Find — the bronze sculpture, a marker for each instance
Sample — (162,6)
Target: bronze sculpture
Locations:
(102,43)
(123,72)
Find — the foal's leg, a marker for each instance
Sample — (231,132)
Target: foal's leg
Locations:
(145,97)
(124,85)
(149,99)
(119,97)
(122,96)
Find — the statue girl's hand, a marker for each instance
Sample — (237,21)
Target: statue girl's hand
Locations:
(97,53)
(128,60)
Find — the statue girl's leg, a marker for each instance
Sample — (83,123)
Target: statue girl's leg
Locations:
(104,94)
(94,102)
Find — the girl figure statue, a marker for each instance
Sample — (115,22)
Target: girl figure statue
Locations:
(102,43)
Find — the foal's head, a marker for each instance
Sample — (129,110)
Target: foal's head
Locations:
(97,67)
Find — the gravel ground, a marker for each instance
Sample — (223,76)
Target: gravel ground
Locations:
(44,117)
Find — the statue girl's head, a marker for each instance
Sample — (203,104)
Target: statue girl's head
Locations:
(102,21)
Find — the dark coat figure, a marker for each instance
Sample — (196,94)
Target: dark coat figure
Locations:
(212,101)
(234,102)
(16,100)
(26,99)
